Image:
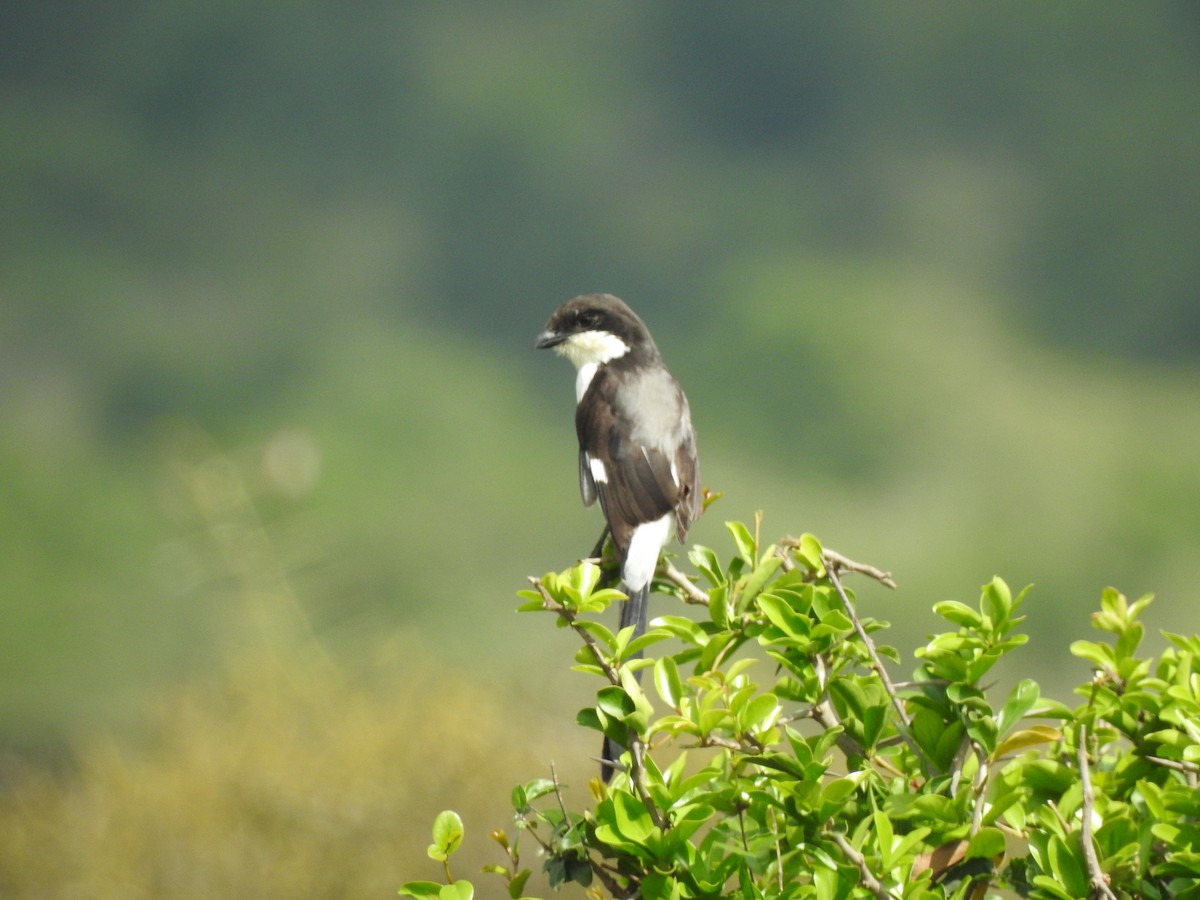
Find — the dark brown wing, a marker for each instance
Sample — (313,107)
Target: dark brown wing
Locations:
(639,451)
(689,503)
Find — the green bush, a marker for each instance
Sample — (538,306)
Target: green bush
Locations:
(773,756)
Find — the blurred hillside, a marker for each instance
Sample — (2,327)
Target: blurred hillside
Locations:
(930,279)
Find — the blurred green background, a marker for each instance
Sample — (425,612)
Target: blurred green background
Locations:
(277,451)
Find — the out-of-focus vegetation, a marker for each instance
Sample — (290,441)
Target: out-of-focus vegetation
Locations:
(280,782)
(928,276)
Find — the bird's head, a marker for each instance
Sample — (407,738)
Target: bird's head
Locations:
(595,329)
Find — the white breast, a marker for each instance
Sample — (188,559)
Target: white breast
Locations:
(583,378)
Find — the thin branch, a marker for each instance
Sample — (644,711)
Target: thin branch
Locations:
(842,563)
(978,789)
(747,746)
(1062,823)
(637,749)
(845,564)
(569,617)
(869,881)
(603,872)
(598,868)
(956,766)
(1096,877)
(741,814)
(824,715)
(1189,770)
(775,830)
(691,593)
(637,778)
(876,663)
(562,806)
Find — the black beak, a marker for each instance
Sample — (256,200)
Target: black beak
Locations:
(548,339)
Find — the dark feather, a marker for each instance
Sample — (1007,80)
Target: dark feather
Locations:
(633,421)
(637,424)
(587,484)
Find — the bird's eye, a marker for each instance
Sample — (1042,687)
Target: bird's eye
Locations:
(588,318)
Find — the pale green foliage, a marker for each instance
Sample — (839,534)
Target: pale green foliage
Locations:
(769,757)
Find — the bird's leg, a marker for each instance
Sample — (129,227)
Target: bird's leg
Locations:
(598,551)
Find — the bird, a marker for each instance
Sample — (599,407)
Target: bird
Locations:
(637,445)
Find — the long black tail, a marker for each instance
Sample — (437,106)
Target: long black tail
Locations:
(633,612)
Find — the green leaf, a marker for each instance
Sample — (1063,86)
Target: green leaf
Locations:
(1020,700)
(781,763)
(640,643)
(958,613)
(873,720)
(746,546)
(447,835)
(668,682)
(851,696)
(614,702)
(810,553)
(1026,738)
(834,796)
(632,818)
(927,728)
(517,885)
(598,631)
(883,838)
(834,620)
(1053,888)
(759,714)
(827,881)
(1067,867)
(1187,643)
(758,579)
(780,613)
(601,600)
(1129,640)
(997,601)
(533,602)
(460,890)
(1136,608)
(659,887)
(584,577)
(718,605)
(988,843)
(737,667)
(420,889)
(683,628)
(1098,654)
(948,743)
(709,565)
(589,718)
(539,787)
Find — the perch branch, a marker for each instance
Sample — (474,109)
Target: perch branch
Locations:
(876,662)
(842,563)
(691,593)
(869,881)
(1096,877)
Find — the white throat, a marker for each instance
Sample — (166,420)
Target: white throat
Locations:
(588,351)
